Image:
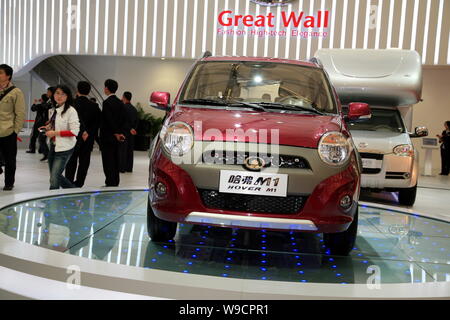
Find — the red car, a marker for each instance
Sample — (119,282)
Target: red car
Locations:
(256,143)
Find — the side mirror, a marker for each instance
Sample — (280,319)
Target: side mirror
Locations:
(160,100)
(419,132)
(358,111)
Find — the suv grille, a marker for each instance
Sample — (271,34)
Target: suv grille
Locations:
(238,158)
(251,203)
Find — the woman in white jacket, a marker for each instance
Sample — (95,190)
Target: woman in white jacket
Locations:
(62,130)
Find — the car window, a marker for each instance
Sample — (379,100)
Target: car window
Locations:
(254,82)
(382,120)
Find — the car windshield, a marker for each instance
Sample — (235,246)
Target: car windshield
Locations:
(263,83)
(382,120)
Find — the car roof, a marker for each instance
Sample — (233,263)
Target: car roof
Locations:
(262,59)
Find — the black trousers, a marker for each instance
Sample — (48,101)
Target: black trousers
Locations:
(81,159)
(34,137)
(8,148)
(126,154)
(445,161)
(110,159)
(43,146)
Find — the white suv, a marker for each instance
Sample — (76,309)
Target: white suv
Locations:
(390,161)
(390,81)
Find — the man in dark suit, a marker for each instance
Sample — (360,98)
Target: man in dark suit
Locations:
(126,150)
(89,114)
(112,133)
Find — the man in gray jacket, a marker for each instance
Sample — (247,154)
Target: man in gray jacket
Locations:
(12,117)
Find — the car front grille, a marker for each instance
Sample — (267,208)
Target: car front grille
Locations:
(251,203)
(238,158)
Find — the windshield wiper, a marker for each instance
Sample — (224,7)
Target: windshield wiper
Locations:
(260,106)
(228,103)
(247,104)
(275,105)
(204,102)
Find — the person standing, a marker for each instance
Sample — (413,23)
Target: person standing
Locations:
(111,133)
(39,109)
(444,139)
(62,130)
(89,114)
(43,146)
(127,147)
(12,117)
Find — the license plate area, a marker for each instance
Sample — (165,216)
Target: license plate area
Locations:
(372,163)
(256,183)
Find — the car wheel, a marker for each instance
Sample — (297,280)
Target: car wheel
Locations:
(407,197)
(159,230)
(342,243)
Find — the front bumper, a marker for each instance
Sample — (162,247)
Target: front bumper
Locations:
(229,220)
(322,190)
(396,172)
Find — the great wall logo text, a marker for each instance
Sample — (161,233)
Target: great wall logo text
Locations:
(261,25)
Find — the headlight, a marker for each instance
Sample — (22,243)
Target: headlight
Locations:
(334,148)
(177,138)
(404,150)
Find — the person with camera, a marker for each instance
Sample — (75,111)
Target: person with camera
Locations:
(43,146)
(62,130)
(40,107)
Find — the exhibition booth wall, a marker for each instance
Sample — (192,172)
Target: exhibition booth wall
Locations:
(37,29)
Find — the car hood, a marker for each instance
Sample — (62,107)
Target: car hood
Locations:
(302,130)
(378,142)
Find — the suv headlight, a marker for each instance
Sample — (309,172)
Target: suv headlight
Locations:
(334,148)
(177,138)
(404,150)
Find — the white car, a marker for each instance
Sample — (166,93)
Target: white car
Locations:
(390,80)
(390,161)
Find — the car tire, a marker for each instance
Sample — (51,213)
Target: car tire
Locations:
(342,243)
(158,229)
(407,197)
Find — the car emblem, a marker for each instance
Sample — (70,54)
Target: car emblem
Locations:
(363,145)
(254,163)
(271,2)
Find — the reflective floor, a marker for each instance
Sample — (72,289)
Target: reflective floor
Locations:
(111,226)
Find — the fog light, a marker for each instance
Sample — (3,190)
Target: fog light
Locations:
(346,202)
(406,175)
(161,189)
